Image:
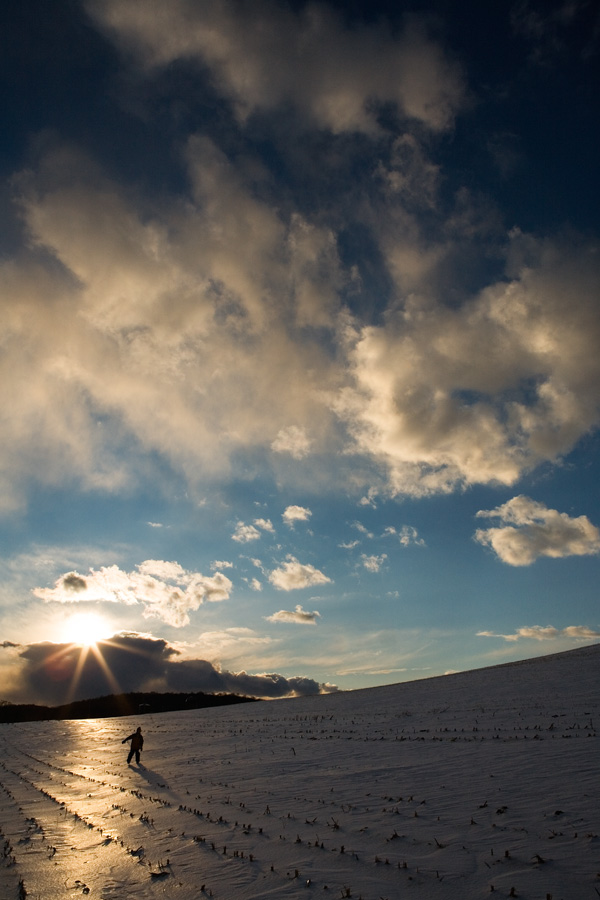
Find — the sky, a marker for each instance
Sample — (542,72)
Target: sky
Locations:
(300,377)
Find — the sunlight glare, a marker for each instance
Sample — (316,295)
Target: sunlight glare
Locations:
(86,629)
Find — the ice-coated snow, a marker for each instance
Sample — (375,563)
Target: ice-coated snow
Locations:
(482,783)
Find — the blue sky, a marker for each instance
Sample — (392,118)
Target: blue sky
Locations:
(300,369)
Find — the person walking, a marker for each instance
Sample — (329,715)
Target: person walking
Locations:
(137,742)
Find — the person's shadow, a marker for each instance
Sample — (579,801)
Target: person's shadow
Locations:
(155,779)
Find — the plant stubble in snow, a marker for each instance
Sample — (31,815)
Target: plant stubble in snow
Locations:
(480,783)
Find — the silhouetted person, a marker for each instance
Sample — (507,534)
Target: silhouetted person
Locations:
(137,742)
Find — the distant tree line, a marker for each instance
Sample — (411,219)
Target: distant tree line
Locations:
(116,705)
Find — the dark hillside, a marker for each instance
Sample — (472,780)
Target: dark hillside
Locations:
(116,705)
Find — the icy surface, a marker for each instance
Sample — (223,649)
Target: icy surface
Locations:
(476,784)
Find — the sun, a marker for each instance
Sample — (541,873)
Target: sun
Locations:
(86,629)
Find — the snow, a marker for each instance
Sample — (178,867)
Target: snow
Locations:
(469,785)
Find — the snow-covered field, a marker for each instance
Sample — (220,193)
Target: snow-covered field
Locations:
(476,784)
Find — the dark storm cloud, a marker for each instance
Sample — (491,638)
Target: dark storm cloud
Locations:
(54,673)
(198,674)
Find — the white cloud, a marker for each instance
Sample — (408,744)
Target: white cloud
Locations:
(159,568)
(256,49)
(546,633)
(407,535)
(265,525)
(220,564)
(230,643)
(363,529)
(293,514)
(243,534)
(533,530)
(165,589)
(369,499)
(292,440)
(373,563)
(298,615)
(293,575)
(255,584)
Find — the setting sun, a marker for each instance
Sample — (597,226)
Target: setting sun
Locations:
(85,629)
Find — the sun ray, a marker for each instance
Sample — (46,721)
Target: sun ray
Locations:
(83,654)
(114,684)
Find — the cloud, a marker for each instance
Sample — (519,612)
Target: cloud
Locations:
(165,589)
(221,564)
(292,440)
(74,583)
(546,633)
(370,498)
(53,673)
(410,175)
(243,534)
(187,674)
(485,391)
(208,329)
(533,530)
(255,50)
(373,563)
(196,331)
(363,529)
(265,524)
(293,514)
(546,28)
(297,615)
(407,535)
(293,575)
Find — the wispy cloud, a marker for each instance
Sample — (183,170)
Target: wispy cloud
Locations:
(531,531)
(292,440)
(348,73)
(546,633)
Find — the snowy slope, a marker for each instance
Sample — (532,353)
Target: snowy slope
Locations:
(469,785)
